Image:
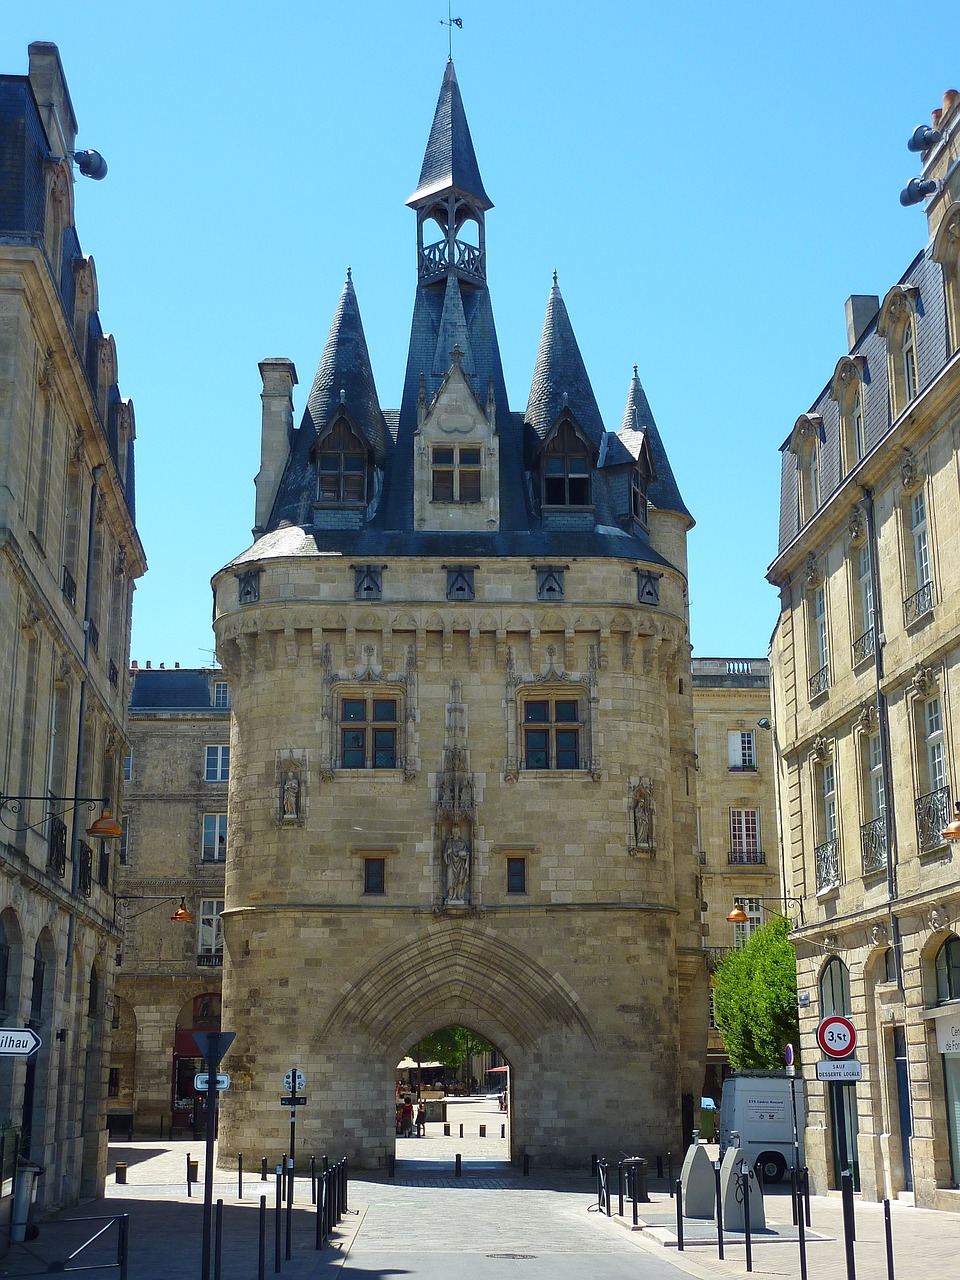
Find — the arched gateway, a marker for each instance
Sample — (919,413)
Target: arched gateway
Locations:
(461,783)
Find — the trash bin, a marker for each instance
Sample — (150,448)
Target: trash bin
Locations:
(23,1226)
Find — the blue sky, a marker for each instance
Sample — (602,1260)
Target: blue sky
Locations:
(710,182)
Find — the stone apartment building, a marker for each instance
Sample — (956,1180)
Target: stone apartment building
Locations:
(173,859)
(69,556)
(866,690)
(737,836)
(462,783)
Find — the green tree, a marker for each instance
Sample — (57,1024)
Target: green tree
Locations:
(451,1046)
(755,998)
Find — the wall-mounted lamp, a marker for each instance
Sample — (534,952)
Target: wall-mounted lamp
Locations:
(763,723)
(739,916)
(106,827)
(182,915)
(952,830)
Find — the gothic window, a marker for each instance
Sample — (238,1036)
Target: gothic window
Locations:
(551,732)
(565,470)
(367,582)
(549,584)
(369,732)
(342,467)
(456,473)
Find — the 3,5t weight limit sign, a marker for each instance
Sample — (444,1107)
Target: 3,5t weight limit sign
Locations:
(837,1036)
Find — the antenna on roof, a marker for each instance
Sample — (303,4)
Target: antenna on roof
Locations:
(451,23)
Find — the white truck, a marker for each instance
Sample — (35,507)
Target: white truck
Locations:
(767,1112)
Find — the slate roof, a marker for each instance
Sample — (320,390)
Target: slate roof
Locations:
(180,689)
(638,424)
(450,160)
(560,372)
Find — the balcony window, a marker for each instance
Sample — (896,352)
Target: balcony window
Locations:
(210,933)
(745,837)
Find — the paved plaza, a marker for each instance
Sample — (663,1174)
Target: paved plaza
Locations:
(491,1223)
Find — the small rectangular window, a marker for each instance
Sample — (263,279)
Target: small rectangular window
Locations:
(113,1083)
(214,837)
(221,695)
(516,875)
(210,936)
(217,764)
(374,875)
(128,767)
(741,751)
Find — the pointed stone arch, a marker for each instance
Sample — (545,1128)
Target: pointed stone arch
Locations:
(473,976)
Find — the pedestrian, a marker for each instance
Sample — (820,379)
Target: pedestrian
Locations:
(422,1120)
(406,1116)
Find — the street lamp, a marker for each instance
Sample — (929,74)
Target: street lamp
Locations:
(952,830)
(182,915)
(106,827)
(739,916)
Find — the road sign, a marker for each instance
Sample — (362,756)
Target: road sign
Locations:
(213,1044)
(837,1036)
(18,1042)
(295,1100)
(288,1082)
(201,1081)
(843,1069)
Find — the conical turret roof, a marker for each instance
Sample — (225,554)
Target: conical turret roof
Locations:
(345,376)
(560,377)
(638,424)
(450,160)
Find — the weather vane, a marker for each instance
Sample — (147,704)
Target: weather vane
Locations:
(451,23)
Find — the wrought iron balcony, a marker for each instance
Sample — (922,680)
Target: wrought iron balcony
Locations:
(827,858)
(85,878)
(746,857)
(933,814)
(915,606)
(864,646)
(211,960)
(819,682)
(57,846)
(873,845)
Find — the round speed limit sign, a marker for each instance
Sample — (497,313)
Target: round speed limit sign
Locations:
(837,1036)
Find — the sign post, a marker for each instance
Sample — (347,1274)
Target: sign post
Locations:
(293,1082)
(212,1045)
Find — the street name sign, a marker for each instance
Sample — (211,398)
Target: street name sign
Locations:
(290,1085)
(18,1042)
(295,1100)
(201,1081)
(837,1036)
(843,1069)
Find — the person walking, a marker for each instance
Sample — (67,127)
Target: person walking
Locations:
(422,1120)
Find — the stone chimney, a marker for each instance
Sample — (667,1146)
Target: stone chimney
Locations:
(279,378)
(49,87)
(860,309)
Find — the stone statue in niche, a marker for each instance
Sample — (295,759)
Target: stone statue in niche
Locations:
(290,796)
(644,812)
(456,863)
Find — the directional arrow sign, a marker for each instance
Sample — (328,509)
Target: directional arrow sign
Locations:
(18,1042)
(201,1081)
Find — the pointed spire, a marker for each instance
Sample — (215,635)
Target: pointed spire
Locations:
(560,378)
(450,160)
(345,376)
(638,424)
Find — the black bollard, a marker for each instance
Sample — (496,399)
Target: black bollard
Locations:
(239,1175)
(461,1131)
(806,1194)
(670,1172)
(716,1174)
(446,1131)
(262,1240)
(888,1237)
(263,1168)
(290,1191)
(679,1217)
(278,1221)
(526,1164)
(391,1165)
(849,1226)
(801,1240)
(313,1179)
(745,1184)
(659,1166)
(503,1131)
(218,1240)
(794,1194)
(189,1179)
(457,1172)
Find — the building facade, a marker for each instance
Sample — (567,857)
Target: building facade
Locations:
(462,772)
(737,835)
(865,692)
(69,556)
(175,851)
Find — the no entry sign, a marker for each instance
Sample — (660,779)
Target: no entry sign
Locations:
(837,1036)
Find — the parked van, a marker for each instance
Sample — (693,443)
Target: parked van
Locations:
(759,1106)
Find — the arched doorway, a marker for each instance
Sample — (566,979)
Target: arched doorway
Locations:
(200,1013)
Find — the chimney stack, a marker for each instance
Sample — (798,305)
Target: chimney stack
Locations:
(279,378)
(860,309)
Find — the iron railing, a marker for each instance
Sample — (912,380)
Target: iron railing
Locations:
(819,682)
(933,814)
(746,857)
(864,646)
(85,879)
(915,606)
(873,845)
(210,960)
(57,846)
(827,858)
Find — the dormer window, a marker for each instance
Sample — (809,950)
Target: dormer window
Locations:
(566,470)
(638,496)
(897,325)
(342,467)
(456,474)
(908,353)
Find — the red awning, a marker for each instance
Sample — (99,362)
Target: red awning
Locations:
(491,1070)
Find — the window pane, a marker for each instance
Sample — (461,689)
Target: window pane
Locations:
(536,712)
(553,465)
(567,754)
(384,709)
(353,488)
(353,462)
(352,743)
(384,748)
(516,875)
(566,711)
(469,457)
(577,466)
(329,462)
(443,457)
(579,491)
(443,486)
(469,486)
(374,877)
(354,709)
(536,742)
